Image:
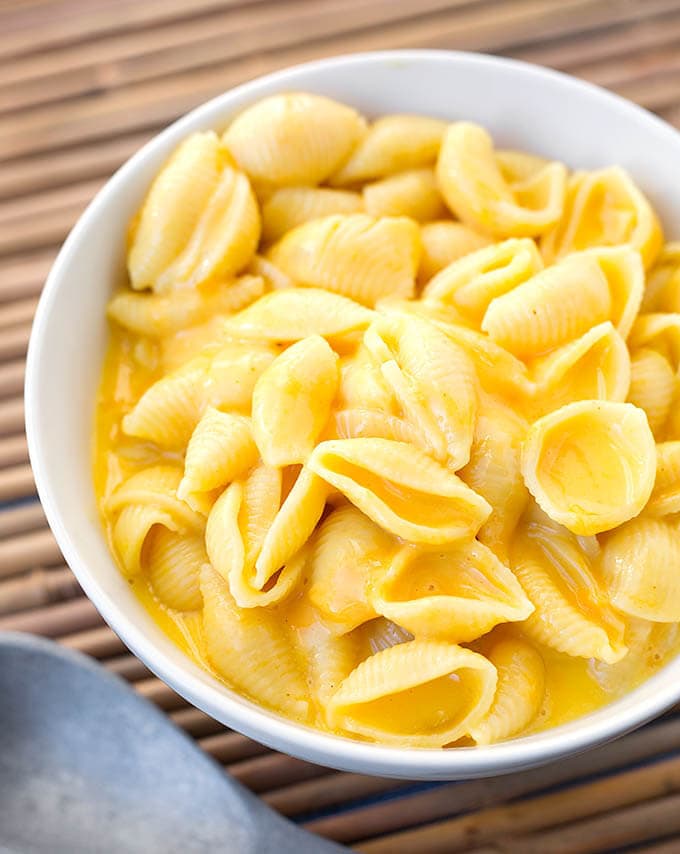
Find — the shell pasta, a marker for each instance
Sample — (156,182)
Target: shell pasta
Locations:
(390,418)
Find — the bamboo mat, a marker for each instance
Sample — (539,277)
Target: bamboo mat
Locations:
(83,83)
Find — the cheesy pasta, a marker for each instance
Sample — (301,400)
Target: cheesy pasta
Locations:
(388,424)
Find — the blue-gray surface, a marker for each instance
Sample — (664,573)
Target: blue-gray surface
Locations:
(86,765)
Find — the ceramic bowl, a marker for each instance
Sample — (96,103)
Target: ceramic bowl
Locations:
(524,107)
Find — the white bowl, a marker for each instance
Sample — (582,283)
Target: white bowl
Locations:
(524,107)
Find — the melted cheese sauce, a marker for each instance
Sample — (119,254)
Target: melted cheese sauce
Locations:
(574,686)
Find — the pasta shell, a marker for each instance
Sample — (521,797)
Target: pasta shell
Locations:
(441,314)
(393,144)
(147,499)
(640,564)
(517,166)
(292,401)
(331,659)
(415,694)
(595,366)
(494,472)
(662,289)
(292,526)
(172,208)
(671,429)
(363,385)
(293,139)
(413,194)
(199,341)
(457,594)
(660,332)
(572,611)
(157,487)
(221,448)
(446,242)
(289,315)
(276,279)
(497,370)
(233,373)
(130,531)
(354,255)
(289,207)
(665,497)
(652,386)
(401,489)
(590,465)
(374,424)
(174,562)
(625,274)
(649,645)
(346,550)
(224,238)
(604,208)
(158,315)
(555,306)
(478,194)
(470,283)
(263,493)
(519,694)
(234,536)
(169,410)
(382,634)
(251,650)
(433,379)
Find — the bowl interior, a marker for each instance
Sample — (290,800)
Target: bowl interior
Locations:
(524,107)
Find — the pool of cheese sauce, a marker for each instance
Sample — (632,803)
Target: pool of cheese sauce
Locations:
(132,364)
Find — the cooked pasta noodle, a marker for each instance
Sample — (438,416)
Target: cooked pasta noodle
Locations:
(355,255)
(604,208)
(388,435)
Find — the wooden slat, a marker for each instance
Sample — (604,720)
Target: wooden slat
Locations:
(610,832)
(25,517)
(128,667)
(196,722)
(100,641)
(37,588)
(13,344)
(33,205)
(328,791)
(13,450)
(36,548)
(11,412)
(12,313)
(129,58)
(60,168)
(69,23)
(670,846)
(603,47)
(229,747)
(82,86)
(159,693)
(16,482)
(11,375)
(54,621)
(382,818)
(47,228)
(23,276)
(142,106)
(272,770)
(533,814)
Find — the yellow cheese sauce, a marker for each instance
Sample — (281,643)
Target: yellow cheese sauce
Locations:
(574,686)
(323,449)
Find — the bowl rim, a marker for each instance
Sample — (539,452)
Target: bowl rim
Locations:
(616,718)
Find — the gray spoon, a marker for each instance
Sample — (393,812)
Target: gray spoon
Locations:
(86,765)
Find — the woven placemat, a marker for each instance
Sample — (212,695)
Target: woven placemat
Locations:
(83,83)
